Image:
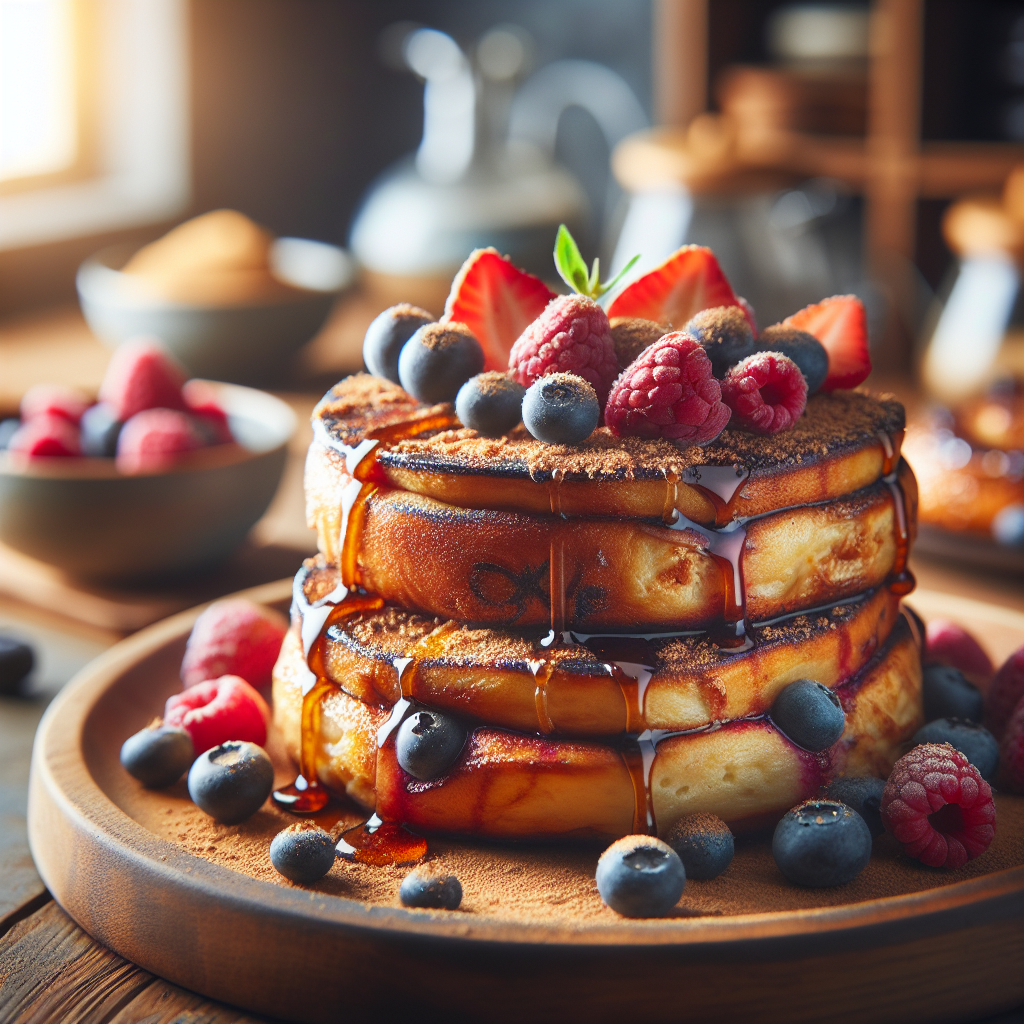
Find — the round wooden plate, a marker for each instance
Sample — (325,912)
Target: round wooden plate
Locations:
(942,954)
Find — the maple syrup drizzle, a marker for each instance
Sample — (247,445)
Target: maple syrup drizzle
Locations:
(902,580)
(720,485)
(381,843)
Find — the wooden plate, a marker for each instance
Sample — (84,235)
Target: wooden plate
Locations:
(945,953)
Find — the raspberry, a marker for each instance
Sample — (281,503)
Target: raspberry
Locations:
(766,392)
(1005,693)
(937,805)
(201,399)
(46,437)
(141,375)
(571,335)
(219,710)
(950,644)
(153,440)
(669,391)
(1011,751)
(53,400)
(233,637)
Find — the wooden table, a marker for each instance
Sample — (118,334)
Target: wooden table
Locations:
(50,970)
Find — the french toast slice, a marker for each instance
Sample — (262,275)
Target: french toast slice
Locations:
(844,442)
(509,679)
(514,785)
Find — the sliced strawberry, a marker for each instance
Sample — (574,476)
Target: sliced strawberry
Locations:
(687,282)
(497,301)
(841,325)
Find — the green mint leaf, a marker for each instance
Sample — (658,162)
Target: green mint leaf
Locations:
(609,285)
(569,263)
(593,287)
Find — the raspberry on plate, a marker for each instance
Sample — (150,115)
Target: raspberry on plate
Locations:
(233,637)
(46,437)
(1005,693)
(201,399)
(766,392)
(1011,751)
(141,375)
(937,805)
(53,400)
(153,440)
(841,325)
(668,392)
(219,710)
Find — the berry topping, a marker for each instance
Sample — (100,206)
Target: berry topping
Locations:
(141,375)
(218,710)
(950,644)
(387,335)
(100,431)
(820,843)
(231,781)
(948,694)
(1011,751)
(430,888)
(437,360)
(201,399)
(154,440)
(864,794)
(841,325)
(572,335)
(1005,693)
(937,805)
(158,755)
(561,408)
(640,876)
(429,743)
(490,403)
(17,659)
(53,400)
(302,852)
(668,392)
(804,349)
(724,333)
(975,742)
(704,844)
(809,714)
(631,335)
(46,437)
(687,282)
(766,392)
(497,301)
(748,311)
(234,637)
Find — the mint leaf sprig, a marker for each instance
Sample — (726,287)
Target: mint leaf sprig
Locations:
(572,268)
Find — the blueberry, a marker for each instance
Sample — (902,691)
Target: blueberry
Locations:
(561,408)
(640,876)
(387,335)
(948,693)
(804,349)
(724,333)
(100,431)
(975,742)
(437,360)
(428,744)
(8,428)
(864,794)
(231,781)
(430,888)
(821,842)
(809,714)
(302,852)
(17,659)
(704,844)
(158,755)
(490,403)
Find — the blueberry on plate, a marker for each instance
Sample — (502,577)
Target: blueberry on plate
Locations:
(302,852)
(490,403)
(158,755)
(640,876)
(230,782)
(17,659)
(725,335)
(437,360)
(974,741)
(561,408)
(704,844)
(428,744)
(8,428)
(821,842)
(864,794)
(809,713)
(386,337)
(804,349)
(100,430)
(430,888)
(948,693)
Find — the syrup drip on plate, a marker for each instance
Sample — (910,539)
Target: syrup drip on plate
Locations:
(381,843)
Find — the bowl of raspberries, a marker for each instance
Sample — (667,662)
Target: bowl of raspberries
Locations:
(157,476)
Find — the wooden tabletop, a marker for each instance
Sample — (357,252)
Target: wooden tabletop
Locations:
(50,970)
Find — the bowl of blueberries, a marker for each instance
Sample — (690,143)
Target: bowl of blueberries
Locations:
(160,477)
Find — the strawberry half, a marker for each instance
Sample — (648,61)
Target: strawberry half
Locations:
(841,325)
(687,282)
(497,301)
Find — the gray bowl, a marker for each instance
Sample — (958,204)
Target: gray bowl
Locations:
(247,344)
(86,518)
